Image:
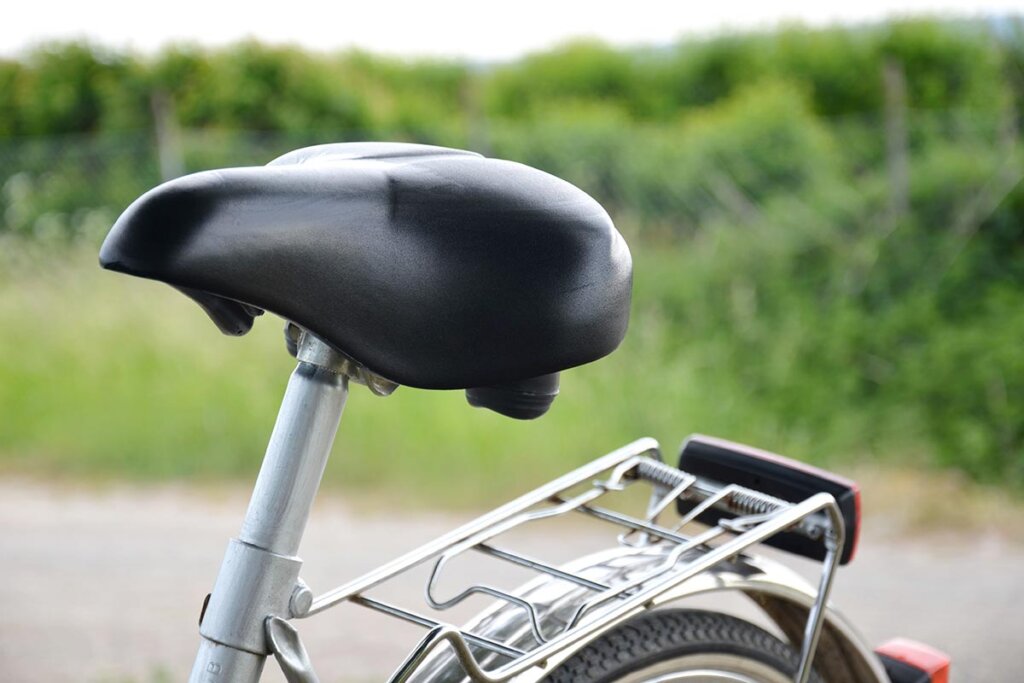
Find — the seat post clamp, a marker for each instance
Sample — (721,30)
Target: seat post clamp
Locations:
(253,584)
(313,350)
(308,348)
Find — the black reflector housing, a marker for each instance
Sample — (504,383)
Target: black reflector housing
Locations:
(727,462)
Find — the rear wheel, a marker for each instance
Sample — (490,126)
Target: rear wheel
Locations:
(682,646)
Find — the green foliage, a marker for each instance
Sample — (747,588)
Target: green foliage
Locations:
(71,88)
(427,101)
(782,296)
(948,68)
(581,71)
(75,87)
(970,382)
(252,87)
(788,329)
(840,67)
(728,157)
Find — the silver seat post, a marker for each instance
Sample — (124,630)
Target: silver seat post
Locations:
(259,577)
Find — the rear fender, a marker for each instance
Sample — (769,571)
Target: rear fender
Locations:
(786,598)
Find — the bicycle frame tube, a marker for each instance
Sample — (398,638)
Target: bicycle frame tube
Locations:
(259,575)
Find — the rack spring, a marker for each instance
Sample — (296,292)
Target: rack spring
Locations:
(660,473)
(733,499)
(747,502)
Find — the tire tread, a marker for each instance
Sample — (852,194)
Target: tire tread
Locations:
(664,634)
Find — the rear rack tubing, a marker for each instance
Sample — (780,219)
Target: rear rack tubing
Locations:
(260,570)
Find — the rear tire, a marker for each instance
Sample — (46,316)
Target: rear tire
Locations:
(669,646)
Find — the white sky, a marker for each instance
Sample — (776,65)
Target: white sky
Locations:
(479,30)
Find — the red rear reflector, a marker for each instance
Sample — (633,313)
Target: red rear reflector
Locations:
(920,656)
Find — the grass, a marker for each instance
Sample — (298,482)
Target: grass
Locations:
(105,376)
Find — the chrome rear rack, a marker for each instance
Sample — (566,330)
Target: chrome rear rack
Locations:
(756,517)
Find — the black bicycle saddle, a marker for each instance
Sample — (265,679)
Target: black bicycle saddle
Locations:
(432,267)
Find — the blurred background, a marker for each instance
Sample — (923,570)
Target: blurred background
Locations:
(826,218)
(827,224)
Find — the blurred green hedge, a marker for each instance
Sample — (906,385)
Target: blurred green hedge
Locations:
(825,263)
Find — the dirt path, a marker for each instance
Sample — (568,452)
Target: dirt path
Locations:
(106,586)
